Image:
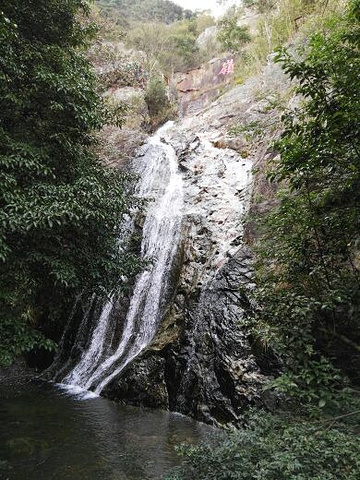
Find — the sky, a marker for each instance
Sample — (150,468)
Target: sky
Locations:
(200,5)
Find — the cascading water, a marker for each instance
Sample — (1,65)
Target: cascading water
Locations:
(161,182)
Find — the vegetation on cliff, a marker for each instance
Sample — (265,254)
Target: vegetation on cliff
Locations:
(308,271)
(231,35)
(146,49)
(127,11)
(60,208)
(169,48)
(270,448)
(253,36)
(308,294)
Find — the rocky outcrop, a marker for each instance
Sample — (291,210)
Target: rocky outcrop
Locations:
(209,372)
(199,87)
(203,362)
(212,359)
(247,119)
(117,146)
(207,39)
(143,384)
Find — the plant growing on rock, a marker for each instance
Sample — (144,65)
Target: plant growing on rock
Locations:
(160,109)
(231,35)
(308,271)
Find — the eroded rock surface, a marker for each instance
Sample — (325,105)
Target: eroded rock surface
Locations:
(203,362)
(199,87)
(208,371)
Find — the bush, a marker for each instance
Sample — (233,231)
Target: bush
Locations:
(156,97)
(278,23)
(160,108)
(232,36)
(273,448)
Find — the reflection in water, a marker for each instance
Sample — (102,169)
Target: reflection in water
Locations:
(47,435)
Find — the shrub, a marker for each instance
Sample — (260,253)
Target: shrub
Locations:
(160,108)
(232,36)
(308,274)
(272,448)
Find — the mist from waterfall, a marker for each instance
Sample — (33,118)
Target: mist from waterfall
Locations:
(161,183)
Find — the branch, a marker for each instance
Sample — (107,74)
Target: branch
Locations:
(341,337)
(334,419)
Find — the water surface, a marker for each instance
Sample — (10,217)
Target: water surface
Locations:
(46,434)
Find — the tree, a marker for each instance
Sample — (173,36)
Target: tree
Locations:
(127,11)
(168,48)
(309,269)
(231,35)
(60,208)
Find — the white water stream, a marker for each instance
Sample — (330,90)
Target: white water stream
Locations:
(161,182)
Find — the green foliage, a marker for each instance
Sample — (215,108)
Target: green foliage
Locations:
(276,25)
(118,70)
(250,130)
(309,289)
(232,36)
(60,208)
(186,52)
(156,97)
(16,338)
(160,108)
(128,11)
(168,48)
(273,448)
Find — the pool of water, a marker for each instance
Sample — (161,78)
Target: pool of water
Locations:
(47,434)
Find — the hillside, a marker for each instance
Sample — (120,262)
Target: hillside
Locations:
(127,11)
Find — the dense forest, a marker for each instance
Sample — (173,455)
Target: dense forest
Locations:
(127,11)
(62,207)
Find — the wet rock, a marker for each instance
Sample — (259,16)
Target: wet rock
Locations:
(26,446)
(208,369)
(203,361)
(143,383)
(212,363)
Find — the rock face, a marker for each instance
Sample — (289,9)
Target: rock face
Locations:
(213,358)
(143,384)
(199,87)
(209,372)
(203,361)
(207,39)
(200,361)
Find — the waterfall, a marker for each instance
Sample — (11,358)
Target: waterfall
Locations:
(161,183)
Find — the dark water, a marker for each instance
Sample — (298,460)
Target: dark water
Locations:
(48,435)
